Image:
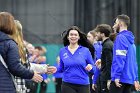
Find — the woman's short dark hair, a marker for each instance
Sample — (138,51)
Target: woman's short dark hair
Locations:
(7,24)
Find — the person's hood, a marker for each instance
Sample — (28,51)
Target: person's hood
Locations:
(129,35)
(4,36)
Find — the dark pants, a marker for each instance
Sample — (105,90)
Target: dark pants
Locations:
(74,88)
(31,86)
(43,87)
(98,85)
(90,80)
(58,85)
(104,87)
(125,88)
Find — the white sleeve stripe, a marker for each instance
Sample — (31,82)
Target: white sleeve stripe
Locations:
(121,52)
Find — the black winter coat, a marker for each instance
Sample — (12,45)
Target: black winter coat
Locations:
(9,51)
(106,58)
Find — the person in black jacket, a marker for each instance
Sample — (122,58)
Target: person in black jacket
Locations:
(104,31)
(10,54)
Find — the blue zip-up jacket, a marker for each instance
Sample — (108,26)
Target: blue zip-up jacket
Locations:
(124,65)
(73,65)
(98,49)
(57,74)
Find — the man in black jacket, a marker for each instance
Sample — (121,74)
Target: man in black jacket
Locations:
(104,31)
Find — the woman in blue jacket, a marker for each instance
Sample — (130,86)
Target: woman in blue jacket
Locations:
(76,60)
(10,54)
(97,44)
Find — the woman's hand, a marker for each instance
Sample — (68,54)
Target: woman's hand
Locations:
(98,63)
(37,78)
(88,67)
(51,69)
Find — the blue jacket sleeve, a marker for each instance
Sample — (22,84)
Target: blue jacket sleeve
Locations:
(60,68)
(90,60)
(96,75)
(120,55)
(135,65)
(45,76)
(13,62)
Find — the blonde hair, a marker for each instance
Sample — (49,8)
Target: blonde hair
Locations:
(44,49)
(18,37)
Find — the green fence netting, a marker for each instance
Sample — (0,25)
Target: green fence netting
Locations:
(52,53)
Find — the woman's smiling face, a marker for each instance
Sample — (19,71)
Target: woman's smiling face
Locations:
(73,36)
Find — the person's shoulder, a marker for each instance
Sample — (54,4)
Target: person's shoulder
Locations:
(63,48)
(11,43)
(120,36)
(110,41)
(99,42)
(83,48)
(108,44)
